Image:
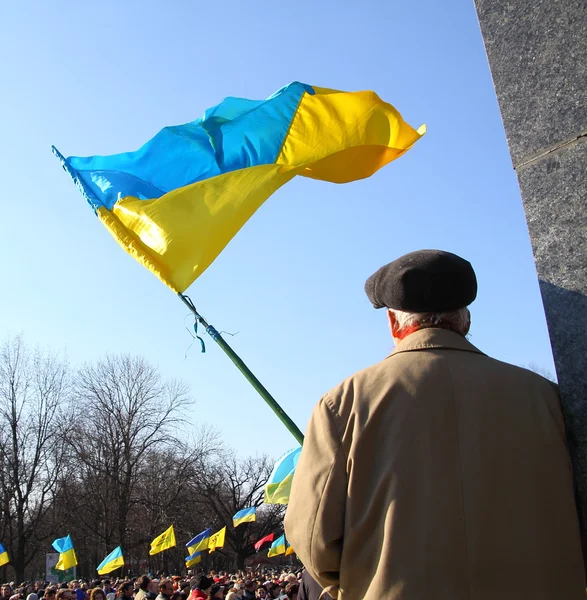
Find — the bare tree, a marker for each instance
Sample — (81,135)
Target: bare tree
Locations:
(125,411)
(228,485)
(34,390)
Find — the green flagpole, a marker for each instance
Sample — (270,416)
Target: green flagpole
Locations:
(240,365)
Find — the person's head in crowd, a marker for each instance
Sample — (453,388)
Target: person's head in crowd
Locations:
(204,583)
(33,596)
(153,586)
(166,587)
(261,592)
(50,592)
(273,590)
(216,592)
(97,594)
(144,582)
(291,591)
(6,590)
(106,586)
(65,594)
(125,591)
(74,584)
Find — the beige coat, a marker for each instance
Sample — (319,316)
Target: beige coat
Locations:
(439,473)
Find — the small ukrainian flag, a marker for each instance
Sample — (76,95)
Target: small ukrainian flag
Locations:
(112,562)
(193,559)
(200,542)
(246,515)
(277,547)
(3,556)
(67,557)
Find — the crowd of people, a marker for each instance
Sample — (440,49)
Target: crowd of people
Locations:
(250,585)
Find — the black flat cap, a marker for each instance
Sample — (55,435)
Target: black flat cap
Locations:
(423,281)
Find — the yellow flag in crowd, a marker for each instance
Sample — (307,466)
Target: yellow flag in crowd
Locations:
(217,540)
(163,542)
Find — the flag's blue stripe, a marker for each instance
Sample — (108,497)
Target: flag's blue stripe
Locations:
(285,465)
(280,541)
(63,544)
(236,134)
(2,549)
(201,536)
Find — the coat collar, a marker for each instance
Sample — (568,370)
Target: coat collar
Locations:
(426,339)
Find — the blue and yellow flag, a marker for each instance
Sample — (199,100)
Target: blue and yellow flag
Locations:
(288,549)
(113,561)
(163,542)
(67,557)
(246,515)
(278,487)
(193,559)
(3,556)
(175,203)
(277,547)
(200,542)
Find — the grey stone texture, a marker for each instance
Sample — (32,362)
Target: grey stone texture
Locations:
(537,52)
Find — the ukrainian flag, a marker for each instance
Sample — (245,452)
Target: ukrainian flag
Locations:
(175,203)
(289,550)
(246,515)
(67,557)
(277,547)
(112,562)
(163,542)
(200,542)
(278,488)
(3,556)
(193,559)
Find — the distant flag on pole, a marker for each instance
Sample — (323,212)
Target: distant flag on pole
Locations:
(277,547)
(193,559)
(67,557)
(3,556)
(278,488)
(246,515)
(163,542)
(175,203)
(113,561)
(200,542)
(217,540)
(265,540)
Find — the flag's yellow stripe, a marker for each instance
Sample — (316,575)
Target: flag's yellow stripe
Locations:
(278,493)
(67,560)
(342,137)
(178,235)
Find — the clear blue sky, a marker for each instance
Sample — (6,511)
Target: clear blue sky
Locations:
(103,77)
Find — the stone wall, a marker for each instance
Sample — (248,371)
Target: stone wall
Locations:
(537,53)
